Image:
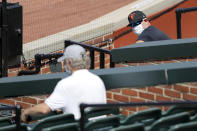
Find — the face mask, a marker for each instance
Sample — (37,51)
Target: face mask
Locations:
(138,29)
(67,71)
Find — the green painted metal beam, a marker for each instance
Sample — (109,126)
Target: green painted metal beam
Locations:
(132,77)
(156,50)
(28,85)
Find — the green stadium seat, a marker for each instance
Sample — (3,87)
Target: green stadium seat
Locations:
(193,118)
(178,109)
(64,127)
(13,128)
(5,121)
(100,111)
(132,127)
(164,123)
(103,124)
(146,117)
(34,118)
(189,126)
(52,121)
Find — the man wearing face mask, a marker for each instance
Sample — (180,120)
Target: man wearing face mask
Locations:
(142,27)
(80,86)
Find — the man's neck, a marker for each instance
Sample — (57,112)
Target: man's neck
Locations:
(74,70)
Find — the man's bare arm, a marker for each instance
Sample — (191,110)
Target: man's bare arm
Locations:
(37,110)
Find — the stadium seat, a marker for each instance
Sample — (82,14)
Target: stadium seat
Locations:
(4,121)
(94,112)
(189,126)
(164,123)
(179,109)
(103,124)
(132,127)
(64,127)
(33,118)
(146,117)
(193,118)
(52,121)
(13,128)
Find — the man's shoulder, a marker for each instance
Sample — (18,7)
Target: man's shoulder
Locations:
(151,28)
(145,34)
(65,80)
(154,30)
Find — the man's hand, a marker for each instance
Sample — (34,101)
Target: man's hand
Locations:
(37,110)
(24,116)
(139,41)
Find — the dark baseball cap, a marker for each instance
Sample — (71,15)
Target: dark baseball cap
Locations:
(136,16)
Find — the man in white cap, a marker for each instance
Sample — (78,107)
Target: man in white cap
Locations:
(81,86)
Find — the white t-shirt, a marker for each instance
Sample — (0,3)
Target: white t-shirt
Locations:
(81,87)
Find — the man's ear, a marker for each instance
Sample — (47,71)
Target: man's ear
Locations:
(70,61)
(145,20)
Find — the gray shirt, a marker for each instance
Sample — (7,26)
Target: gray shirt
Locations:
(152,34)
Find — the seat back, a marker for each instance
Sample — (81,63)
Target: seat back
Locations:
(164,123)
(63,127)
(14,128)
(103,124)
(53,120)
(189,126)
(133,127)
(34,118)
(5,121)
(179,109)
(193,118)
(145,116)
(100,111)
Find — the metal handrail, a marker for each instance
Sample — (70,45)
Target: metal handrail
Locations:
(86,46)
(179,11)
(92,50)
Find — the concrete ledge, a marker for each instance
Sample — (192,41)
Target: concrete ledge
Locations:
(155,50)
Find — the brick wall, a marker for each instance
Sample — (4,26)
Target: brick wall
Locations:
(177,92)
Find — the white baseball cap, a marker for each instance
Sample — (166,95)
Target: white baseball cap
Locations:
(73,52)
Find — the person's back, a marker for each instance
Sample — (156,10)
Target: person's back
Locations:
(81,87)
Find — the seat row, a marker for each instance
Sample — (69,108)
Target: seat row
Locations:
(153,119)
